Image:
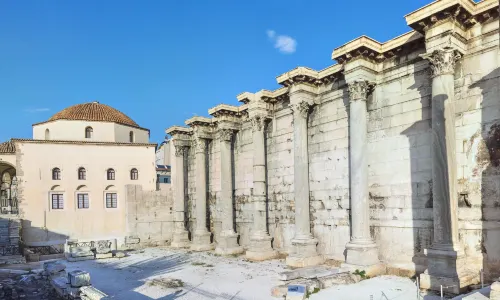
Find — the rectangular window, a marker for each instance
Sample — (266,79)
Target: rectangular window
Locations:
(111,200)
(57,201)
(165,180)
(83,200)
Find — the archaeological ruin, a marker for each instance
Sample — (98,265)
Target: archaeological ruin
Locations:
(387,160)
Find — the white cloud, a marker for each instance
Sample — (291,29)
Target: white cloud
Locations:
(284,43)
(37,110)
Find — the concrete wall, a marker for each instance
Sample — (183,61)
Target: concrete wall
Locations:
(72,130)
(34,164)
(149,215)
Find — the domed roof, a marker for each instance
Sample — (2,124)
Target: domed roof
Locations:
(93,111)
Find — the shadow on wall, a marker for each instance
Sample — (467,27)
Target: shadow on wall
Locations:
(38,236)
(487,163)
(419,138)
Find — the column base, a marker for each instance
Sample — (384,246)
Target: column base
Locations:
(260,248)
(227,244)
(201,241)
(304,253)
(180,240)
(362,253)
(447,267)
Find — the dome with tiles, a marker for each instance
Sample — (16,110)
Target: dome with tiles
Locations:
(93,111)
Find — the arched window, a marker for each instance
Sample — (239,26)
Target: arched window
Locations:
(89,132)
(131,137)
(82,174)
(56,174)
(134,174)
(111,174)
(47,134)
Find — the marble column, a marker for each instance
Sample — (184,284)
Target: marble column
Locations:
(260,241)
(361,249)
(227,242)
(181,236)
(201,236)
(304,251)
(445,256)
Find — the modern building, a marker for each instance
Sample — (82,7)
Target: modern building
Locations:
(69,181)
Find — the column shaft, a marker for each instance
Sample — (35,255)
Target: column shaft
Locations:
(227,242)
(260,247)
(361,250)
(304,244)
(180,237)
(201,236)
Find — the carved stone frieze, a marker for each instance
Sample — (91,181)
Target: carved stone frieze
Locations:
(300,109)
(258,122)
(225,134)
(442,61)
(359,90)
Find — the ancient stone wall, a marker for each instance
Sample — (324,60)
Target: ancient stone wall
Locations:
(149,217)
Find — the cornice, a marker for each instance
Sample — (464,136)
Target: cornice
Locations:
(245,97)
(373,50)
(224,110)
(299,74)
(199,121)
(464,12)
(178,130)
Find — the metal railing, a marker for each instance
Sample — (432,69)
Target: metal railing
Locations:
(9,206)
(10,250)
(45,250)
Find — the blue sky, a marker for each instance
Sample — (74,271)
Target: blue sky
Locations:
(161,62)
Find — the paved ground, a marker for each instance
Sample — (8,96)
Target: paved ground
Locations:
(141,276)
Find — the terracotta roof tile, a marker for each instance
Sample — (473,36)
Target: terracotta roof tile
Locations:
(8,147)
(93,111)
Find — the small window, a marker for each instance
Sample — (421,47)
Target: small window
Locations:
(111,200)
(82,174)
(56,174)
(134,174)
(57,201)
(47,134)
(165,180)
(89,132)
(83,200)
(111,174)
(131,136)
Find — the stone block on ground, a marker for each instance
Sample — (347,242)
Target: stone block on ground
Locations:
(73,259)
(119,254)
(103,250)
(308,272)
(338,279)
(60,285)
(495,291)
(91,293)
(79,278)
(296,292)
(80,251)
(103,255)
(476,296)
(53,267)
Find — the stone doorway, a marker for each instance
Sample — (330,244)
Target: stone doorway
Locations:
(8,190)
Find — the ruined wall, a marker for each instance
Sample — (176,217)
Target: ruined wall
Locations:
(399,158)
(149,217)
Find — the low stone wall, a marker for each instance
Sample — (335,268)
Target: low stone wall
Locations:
(149,217)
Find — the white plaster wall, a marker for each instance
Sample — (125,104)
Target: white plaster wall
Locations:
(73,130)
(34,164)
(122,134)
(8,159)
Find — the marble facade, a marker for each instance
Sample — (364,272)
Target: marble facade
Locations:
(385,160)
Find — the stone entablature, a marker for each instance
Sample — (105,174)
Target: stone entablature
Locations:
(342,160)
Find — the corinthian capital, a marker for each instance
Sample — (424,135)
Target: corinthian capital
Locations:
(225,134)
(442,61)
(258,122)
(300,109)
(199,145)
(359,90)
(180,150)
